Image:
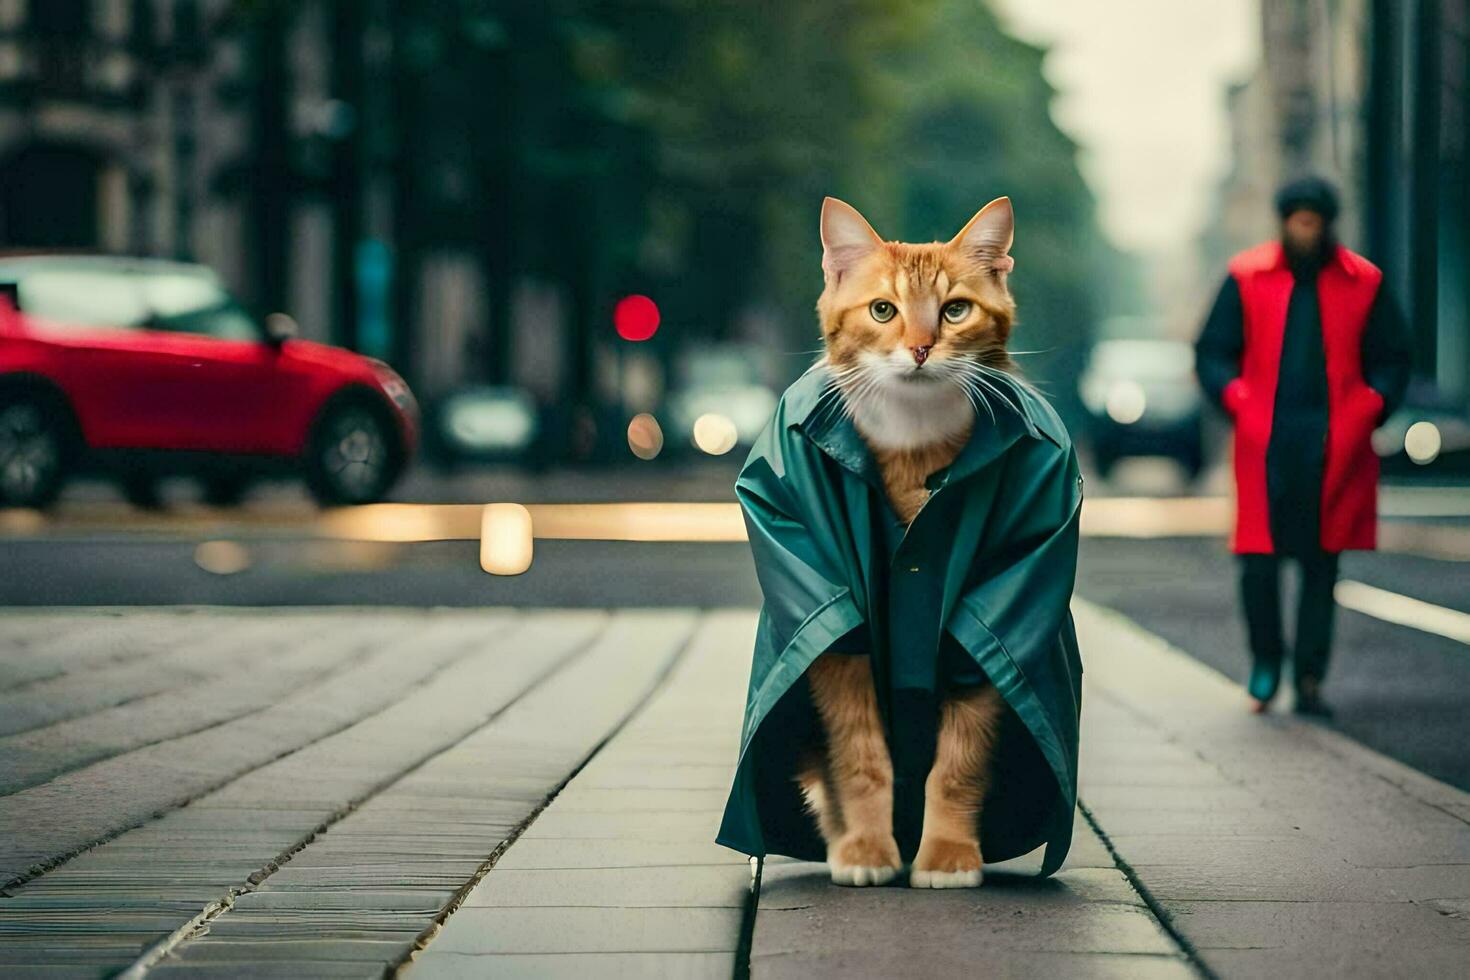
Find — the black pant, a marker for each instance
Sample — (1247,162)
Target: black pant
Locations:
(1260,594)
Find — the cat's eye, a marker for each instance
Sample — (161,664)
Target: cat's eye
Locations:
(882,310)
(957,311)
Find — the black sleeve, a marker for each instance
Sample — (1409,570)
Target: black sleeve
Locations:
(854,640)
(1217,352)
(1387,356)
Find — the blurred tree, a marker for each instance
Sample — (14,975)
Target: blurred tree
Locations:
(681,148)
(969,114)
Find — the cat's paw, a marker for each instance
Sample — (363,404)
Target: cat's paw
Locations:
(864,859)
(946,864)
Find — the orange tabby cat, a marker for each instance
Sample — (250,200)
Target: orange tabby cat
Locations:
(911,332)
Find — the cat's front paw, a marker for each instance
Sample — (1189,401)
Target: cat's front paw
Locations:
(864,859)
(946,864)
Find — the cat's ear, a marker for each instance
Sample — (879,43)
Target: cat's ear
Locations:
(847,238)
(989,234)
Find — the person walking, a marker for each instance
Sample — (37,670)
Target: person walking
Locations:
(1307,354)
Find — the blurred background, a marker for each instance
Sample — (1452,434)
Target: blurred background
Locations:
(566,252)
(468,190)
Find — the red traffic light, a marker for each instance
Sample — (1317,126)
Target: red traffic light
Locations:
(635,317)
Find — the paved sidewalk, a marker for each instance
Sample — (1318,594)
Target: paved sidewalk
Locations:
(1271,846)
(1230,845)
(535,793)
(619,876)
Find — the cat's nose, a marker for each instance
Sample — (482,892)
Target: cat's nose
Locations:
(921,354)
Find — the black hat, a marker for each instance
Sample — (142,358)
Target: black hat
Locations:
(1307,193)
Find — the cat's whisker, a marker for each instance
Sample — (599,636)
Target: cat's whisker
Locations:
(981,382)
(977,398)
(1015,379)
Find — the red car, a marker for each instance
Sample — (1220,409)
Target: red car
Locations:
(141,367)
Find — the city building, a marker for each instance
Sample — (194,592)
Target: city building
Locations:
(1372,95)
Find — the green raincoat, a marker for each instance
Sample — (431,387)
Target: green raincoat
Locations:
(983,577)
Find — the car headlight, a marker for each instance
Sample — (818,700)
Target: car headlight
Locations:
(478,421)
(1126,402)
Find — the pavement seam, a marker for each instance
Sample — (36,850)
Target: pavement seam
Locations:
(1161,915)
(219,907)
(398,967)
(45,867)
(212,670)
(350,660)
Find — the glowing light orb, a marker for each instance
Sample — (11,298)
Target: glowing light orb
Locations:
(222,557)
(1423,442)
(636,317)
(715,434)
(1126,402)
(505,539)
(645,436)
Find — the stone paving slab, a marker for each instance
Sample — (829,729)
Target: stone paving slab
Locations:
(614,893)
(179,657)
(581,966)
(953,956)
(40,646)
(1317,857)
(386,871)
(1086,921)
(569,931)
(550,854)
(261,675)
(198,855)
(47,823)
(701,886)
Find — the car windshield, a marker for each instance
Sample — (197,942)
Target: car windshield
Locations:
(83,298)
(1144,360)
(184,303)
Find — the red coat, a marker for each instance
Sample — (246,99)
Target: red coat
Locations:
(1346,288)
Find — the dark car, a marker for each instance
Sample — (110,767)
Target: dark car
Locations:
(142,367)
(1142,399)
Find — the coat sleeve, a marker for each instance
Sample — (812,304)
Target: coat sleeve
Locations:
(1221,342)
(804,587)
(1028,564)
(1016,622)
(1386,352)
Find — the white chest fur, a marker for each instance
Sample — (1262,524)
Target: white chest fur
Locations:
(906,415)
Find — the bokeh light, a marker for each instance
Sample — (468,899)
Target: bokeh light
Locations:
(222,557)
(506,539)
(1126,402)
(645,436)
(636,317)
(715,434)
(1423,442)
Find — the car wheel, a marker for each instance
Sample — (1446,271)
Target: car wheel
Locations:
(141,490)
(351,457)
(1193,465)
(225,490)
(33,457)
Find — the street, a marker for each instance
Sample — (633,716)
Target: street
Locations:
(1398,690)
(344,757)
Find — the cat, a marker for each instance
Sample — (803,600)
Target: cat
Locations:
(910,332)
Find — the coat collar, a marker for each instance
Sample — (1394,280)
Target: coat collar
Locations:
(1273,258)
(817,412)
